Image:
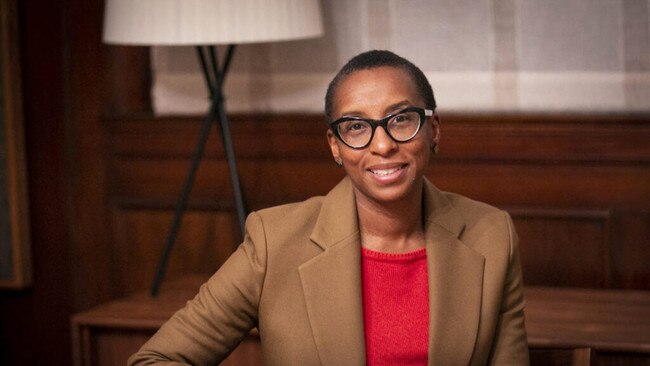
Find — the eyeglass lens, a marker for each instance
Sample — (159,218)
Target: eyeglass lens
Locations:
(401,127)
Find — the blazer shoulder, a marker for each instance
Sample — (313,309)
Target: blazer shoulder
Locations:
(483,221)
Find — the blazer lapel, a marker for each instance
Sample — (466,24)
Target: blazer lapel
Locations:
(331,282)
(455,284)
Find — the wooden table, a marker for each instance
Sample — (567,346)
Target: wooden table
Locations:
(588,327)
(565,326)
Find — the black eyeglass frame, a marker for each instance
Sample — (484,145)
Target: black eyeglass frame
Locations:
(374,123)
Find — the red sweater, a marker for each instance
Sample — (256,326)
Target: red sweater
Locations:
(395,307)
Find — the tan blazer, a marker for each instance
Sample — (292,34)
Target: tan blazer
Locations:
(297,278)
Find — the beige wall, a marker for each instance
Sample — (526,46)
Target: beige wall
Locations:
(480,55)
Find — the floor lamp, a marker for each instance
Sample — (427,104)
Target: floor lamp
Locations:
(205,24)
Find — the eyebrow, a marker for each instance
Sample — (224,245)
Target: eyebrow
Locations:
(388,110)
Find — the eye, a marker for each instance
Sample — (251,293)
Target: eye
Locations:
(353,127)
(403,118)
(356,126)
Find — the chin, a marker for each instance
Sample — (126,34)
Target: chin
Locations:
(391,194)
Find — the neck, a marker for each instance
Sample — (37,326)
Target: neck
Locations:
(394,227)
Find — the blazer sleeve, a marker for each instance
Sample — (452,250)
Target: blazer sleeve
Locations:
(211,325)
(510,345)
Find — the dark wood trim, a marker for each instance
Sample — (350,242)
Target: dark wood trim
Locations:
(525,138)
(15,273)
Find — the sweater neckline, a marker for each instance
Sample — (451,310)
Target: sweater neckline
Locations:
(393,257)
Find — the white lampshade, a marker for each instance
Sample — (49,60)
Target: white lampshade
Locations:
(209,22)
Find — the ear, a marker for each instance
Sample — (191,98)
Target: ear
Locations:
(334,145)
(435,129)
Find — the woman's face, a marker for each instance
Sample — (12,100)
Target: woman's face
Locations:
(385,171)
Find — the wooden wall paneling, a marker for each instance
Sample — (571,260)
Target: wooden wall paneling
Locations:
(567,189)
(554,160)
(536,179)
(263,182)
(101,81)
(544,138)
(86,145)
(127,85)
(564,248)
(546,185)
(261,135)
(202,244)
(562,178)
(594,138)
(631,248)
(149,177)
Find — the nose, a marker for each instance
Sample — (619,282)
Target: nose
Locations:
(381,143)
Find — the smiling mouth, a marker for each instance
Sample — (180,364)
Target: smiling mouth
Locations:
(386,172)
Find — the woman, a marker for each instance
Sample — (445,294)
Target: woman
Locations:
(384,270)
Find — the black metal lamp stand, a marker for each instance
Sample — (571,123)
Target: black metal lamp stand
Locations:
(214,78)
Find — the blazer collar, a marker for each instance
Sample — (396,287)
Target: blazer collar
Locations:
(338,215)
(337,220)
(331,281)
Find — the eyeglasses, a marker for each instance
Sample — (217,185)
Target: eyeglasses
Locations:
(402,126)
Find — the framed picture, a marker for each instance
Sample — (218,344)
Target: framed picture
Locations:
(15,246)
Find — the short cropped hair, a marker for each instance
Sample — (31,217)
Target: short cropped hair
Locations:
(374,59)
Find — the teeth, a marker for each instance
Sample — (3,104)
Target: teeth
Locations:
(385,171)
